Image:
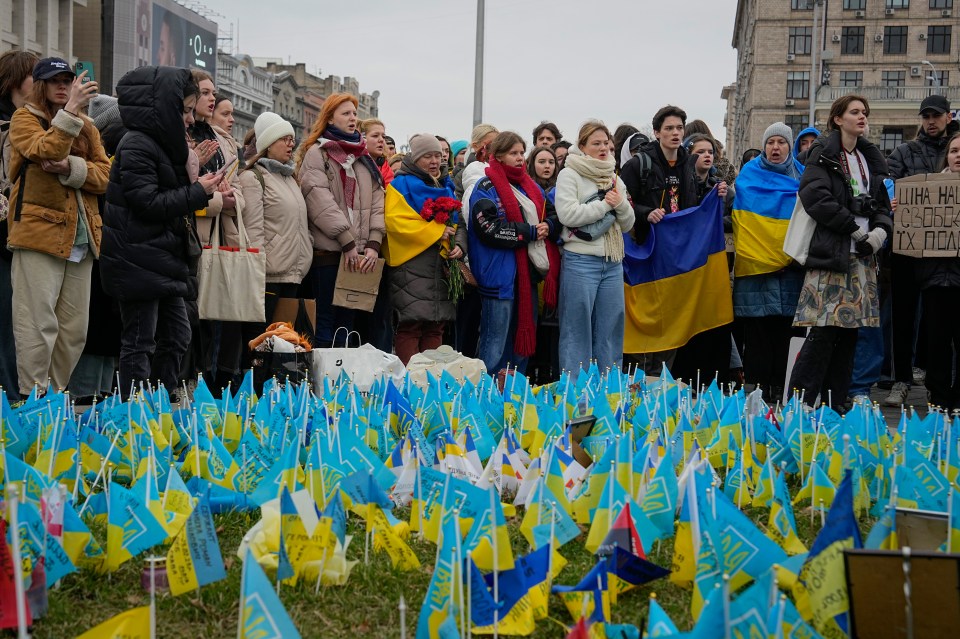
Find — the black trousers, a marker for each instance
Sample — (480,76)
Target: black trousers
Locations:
(825,365)
(708,353)
(766,347)
(941,305)
(905,313)
(157,330)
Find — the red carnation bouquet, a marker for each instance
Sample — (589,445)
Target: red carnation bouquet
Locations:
(446,211)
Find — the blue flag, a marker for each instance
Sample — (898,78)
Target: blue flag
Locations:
(263,615)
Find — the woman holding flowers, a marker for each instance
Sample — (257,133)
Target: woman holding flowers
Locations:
(421,218)
(512,248)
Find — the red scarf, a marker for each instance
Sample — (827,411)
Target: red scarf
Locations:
(502,177)
(338,151)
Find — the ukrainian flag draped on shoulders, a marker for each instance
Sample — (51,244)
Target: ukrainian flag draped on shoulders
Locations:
(676,284)
(408,233)
(762,209)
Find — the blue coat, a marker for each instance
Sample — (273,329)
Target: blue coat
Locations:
(770,294)
(493,241)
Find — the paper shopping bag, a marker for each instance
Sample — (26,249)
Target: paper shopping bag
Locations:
(357,290)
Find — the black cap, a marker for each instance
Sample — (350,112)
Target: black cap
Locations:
(937,103)
(50,67)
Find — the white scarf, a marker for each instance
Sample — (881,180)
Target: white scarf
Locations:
(601,172)
(537,250)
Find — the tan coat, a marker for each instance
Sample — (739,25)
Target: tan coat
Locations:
(231,236)
(326,205)
(48,221)
(275,218)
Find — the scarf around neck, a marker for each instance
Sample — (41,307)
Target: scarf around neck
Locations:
(275,166)
(504,179)
(346,149)
(786,167)
(602,173)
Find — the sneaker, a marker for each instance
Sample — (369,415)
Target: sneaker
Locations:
(861,398)
(919,376)
(898,395)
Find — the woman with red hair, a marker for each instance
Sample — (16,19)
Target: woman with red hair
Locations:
(343,190)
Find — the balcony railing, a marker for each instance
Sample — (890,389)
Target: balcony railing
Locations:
(827,94)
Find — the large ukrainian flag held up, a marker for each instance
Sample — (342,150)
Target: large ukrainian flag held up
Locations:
(676,285)
(761,212)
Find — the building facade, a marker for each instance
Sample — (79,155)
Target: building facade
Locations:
(248,87)
(315,89)
(43,27)
(288,101)
(893,52)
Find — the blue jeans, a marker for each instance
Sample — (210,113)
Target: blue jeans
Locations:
(8,350)
(498,328)
(591,312)
(867,361)
(329,317)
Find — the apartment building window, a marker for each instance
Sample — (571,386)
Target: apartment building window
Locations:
(851,78)
(797,122)
(892,81)
(859,5)
(800,40)
(898,4)
(893,78)
(942,79)
(941,4)
(801,4)
(894,40)
(798,85)
(852,41)
(938,39)
(890,139)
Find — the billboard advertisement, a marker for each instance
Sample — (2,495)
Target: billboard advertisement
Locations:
(178,37)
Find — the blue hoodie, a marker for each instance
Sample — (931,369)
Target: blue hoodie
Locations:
(796,141)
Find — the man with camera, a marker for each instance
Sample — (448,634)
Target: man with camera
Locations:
(923,155)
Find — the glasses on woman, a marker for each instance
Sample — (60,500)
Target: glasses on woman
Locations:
(288,139)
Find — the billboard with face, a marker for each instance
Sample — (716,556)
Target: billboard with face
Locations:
(179,41)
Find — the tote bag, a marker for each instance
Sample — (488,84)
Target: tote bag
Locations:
(232,279)
(796,244)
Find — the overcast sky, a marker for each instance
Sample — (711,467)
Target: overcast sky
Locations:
(560,60)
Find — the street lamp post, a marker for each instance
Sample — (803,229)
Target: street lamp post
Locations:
(478,68)
(814,76)
(936,76)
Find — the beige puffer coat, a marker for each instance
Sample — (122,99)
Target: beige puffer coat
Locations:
(275,218)
(322,189)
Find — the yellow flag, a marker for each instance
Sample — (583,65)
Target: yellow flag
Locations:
(401,554)
(132,624)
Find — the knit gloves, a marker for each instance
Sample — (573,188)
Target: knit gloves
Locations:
(869,243)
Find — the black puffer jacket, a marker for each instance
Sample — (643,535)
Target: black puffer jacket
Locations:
(651,191)
(826,195)
(923,155)
(150,201)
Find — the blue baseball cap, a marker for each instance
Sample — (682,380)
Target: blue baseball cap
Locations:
(50,67)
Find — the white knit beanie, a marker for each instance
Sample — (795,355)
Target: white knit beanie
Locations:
(781,129)
(269,128)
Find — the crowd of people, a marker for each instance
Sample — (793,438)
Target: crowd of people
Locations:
(511,252)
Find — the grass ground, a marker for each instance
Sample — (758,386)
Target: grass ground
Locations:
(367,606)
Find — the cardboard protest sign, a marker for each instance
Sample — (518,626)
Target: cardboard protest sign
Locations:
(927,220)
